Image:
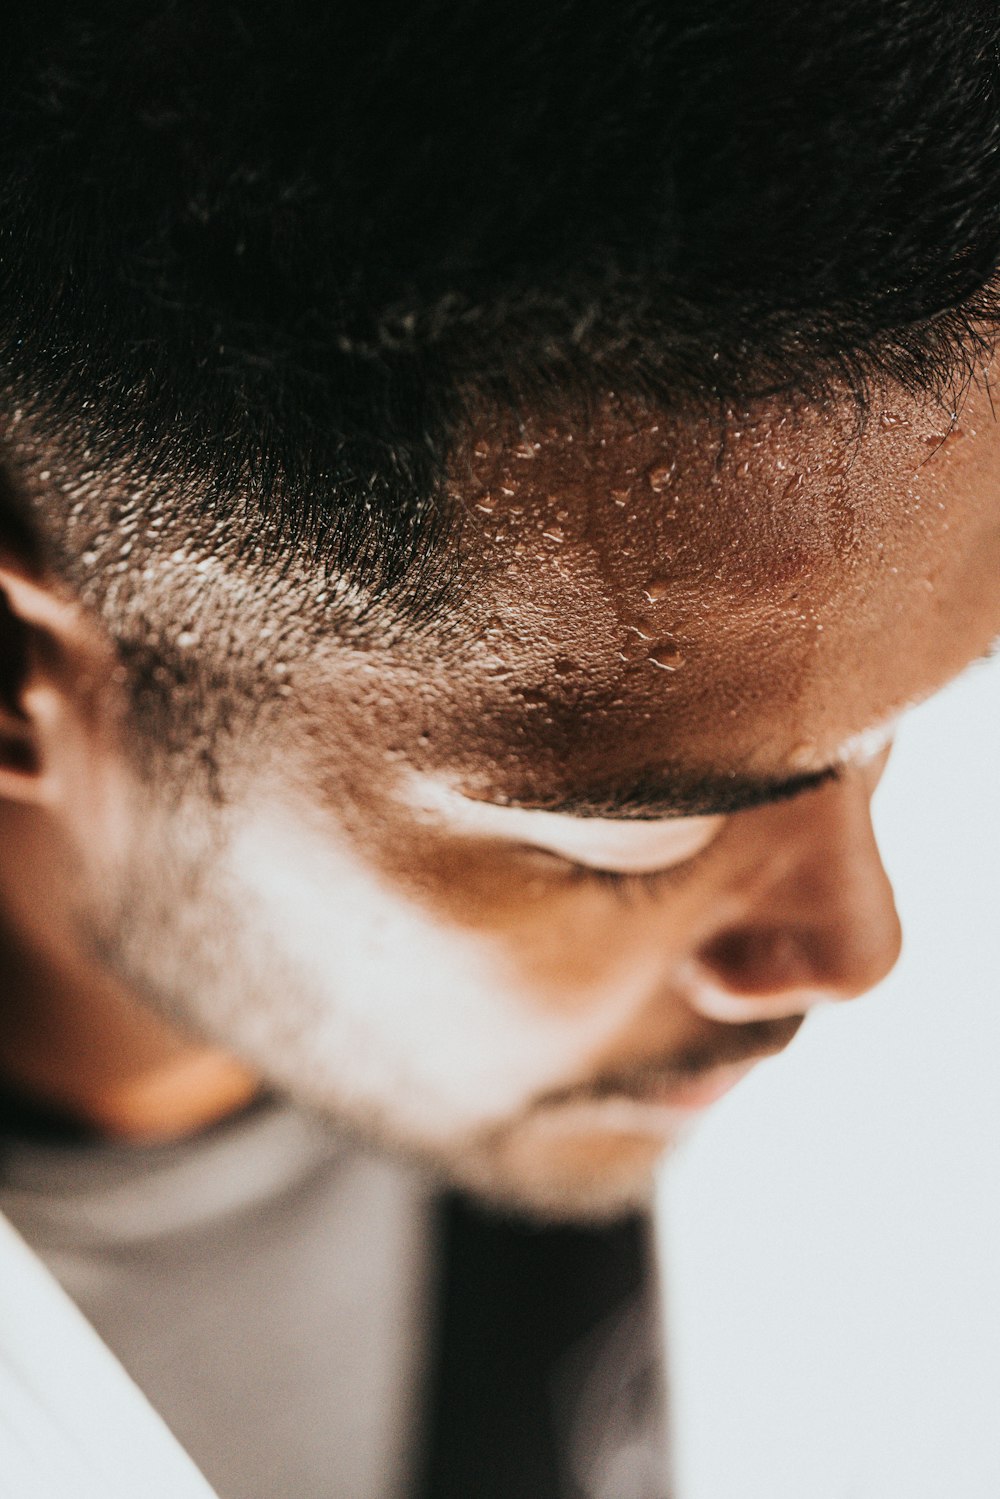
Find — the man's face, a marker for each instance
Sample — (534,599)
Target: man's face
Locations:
(524,893)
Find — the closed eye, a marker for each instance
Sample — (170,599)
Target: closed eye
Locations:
(631,850)
(626,884)
(633,886)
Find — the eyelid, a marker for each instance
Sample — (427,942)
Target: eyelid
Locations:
(670,847)
(629,886)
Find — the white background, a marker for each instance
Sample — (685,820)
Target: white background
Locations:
(832,1233)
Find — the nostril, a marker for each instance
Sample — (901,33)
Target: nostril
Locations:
(755,961)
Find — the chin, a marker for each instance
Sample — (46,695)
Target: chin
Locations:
(557,1171)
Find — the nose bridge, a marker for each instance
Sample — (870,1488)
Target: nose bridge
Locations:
(826,857)
(813,916)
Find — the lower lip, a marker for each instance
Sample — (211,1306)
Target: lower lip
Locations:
(657,1108)
(698,1092)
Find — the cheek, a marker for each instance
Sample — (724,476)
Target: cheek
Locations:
(577,947)
(402,1012)
(582,950)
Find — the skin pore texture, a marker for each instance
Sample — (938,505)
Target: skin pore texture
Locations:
(521,893)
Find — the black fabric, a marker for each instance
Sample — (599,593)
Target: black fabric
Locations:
(514,1299)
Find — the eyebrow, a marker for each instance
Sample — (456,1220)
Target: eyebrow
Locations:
(667,793)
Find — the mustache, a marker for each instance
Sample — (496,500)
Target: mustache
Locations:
(736,1046)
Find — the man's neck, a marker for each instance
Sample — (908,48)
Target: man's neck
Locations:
(77,1045)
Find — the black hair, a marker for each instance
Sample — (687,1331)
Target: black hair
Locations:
(272,255)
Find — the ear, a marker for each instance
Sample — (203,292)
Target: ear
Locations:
(48,669)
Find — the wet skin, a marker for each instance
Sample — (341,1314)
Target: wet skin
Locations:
(522,893)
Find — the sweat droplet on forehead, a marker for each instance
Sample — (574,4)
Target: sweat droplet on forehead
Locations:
(668,656)
(646,642)
(660,475)
(656,589)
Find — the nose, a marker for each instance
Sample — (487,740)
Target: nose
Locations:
(812,918)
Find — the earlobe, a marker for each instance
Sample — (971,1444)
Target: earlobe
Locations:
(19,760)
(21,779)
(32,619)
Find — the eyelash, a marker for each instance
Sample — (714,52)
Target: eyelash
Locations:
(629,887)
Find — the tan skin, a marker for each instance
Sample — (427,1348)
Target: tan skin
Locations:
(649,609)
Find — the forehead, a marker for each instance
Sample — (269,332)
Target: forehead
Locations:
(748,594)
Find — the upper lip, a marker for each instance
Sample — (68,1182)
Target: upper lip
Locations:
(740,1046)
